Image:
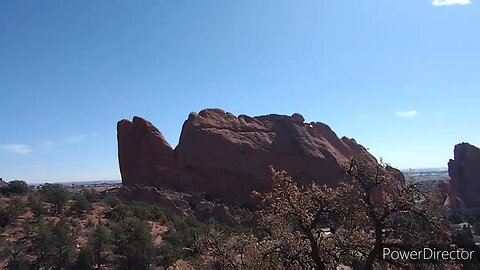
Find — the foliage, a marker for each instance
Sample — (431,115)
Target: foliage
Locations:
(119,212)
(55,194)
(36,207)
(179,240)
(85,259)
(15,187)
(91,195)
(10,212)
(398,215)
(112,200)
(53,245)
(99,242)
(231,251)
(80,203)
(18,259)
(41,244)
(298,221)
(141,211)
(320,227)
(133,243)
(63,245)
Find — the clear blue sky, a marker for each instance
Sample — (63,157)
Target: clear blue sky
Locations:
(401,77)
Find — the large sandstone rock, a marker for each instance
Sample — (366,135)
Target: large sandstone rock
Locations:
(144,154)
(464,171)
(228,157)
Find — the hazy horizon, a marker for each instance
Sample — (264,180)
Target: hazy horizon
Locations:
(400,77)
(65,181)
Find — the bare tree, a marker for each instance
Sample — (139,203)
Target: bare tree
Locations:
(320,227)
(398,215)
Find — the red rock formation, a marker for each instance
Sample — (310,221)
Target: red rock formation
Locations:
(228,157)
(464,171)
(143,153)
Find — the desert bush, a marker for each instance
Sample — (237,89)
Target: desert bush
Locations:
(231,251)
(15,187)
(80,203)
(17,258)
(179,240)
(319,226)
(35,206)
(112,200)
(85,259)
(91,195)
(56,194)
(54,245)
(133,243)
(119,212)
(10,212)
(100,242)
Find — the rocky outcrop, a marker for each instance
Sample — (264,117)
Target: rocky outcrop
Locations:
(206,210)
(181,203)
(464,171)
(228,157)
(144,154)
(151,195)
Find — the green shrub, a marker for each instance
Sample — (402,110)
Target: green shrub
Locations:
(85,259)
(56,194)
(133,243)
(36,207)
(11,211)
(119,212)
(100,242)
(112,200)
(54,245)
(18,259)
(91,195)
(80,204)
(15,187)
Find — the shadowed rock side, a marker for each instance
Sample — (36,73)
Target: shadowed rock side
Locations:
(228,157)
(144,154)
(464,171)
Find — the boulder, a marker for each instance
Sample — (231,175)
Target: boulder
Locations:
(464,171)
(228,157)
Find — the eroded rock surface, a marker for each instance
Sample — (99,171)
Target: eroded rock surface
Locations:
(228,157)
(464,171)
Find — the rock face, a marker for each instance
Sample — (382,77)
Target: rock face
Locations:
(228,157)
(144,154)
(464,171)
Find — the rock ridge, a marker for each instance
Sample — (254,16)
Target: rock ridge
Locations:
(228,157)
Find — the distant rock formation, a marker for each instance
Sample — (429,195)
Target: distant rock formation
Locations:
(464,171)
(228,157)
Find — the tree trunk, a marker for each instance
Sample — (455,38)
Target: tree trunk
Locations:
(377,248)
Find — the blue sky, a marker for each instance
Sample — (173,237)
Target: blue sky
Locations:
(401,77)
